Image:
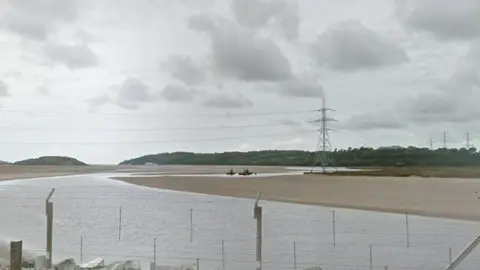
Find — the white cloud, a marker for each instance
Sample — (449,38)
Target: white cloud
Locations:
(395,74)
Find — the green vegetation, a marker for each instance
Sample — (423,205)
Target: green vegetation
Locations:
(352,157)
(51,161)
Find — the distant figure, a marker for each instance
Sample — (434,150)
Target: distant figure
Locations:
(231,172)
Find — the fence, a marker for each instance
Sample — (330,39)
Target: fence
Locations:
(170,228)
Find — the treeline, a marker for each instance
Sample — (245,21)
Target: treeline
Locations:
(364,156)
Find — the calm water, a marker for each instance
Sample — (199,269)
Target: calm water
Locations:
(88,208)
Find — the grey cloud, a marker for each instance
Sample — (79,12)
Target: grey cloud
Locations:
(258,13)
(445,19)
(227,102)
(288,122)
(350,46)
(184,69)
(95,103)
(4,89)
(44,90)
(239,54)
(176,93)
(74,57)
(37,19)
(455,101)
(132,93)
(306,88)
(467,73)
(373,120)
(28,27)
(197,4)
(204,22)
(84,37)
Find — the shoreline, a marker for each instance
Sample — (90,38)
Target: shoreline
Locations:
(426,197)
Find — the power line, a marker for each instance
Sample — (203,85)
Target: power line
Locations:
(159,141)
(137,129)
(56,113)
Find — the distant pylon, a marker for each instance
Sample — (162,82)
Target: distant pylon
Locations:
(444,140)
(324,146)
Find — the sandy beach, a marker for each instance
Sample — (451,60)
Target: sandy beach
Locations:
(432,197)
(9,172)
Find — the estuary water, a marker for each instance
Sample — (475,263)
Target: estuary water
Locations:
(95,216)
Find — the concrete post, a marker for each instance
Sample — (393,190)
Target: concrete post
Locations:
(294,255)
(16,255)
(49,234)
(257,214)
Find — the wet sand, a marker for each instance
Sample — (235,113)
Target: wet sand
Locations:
(432,197)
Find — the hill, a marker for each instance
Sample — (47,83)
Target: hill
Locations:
(51,161)
(351,157)
(4,162)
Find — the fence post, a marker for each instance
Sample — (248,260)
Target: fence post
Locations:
(119,223)
(294,255)
(16,255)
(257,214)
(386,267)
(49,234)
(334,229)
(223,254)
(155,252)
(407,231)
(371,258)
(191,224)
(49,240)
(450,255)
(198,264)
(81,249)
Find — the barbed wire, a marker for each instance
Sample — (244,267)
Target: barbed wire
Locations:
(287,262)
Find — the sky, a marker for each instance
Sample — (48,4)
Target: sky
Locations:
(105,81)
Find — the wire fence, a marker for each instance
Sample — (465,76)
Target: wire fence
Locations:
(171,228)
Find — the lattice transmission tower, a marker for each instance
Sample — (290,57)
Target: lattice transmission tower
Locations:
(324,146)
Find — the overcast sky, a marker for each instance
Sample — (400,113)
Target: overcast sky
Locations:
(105,81)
